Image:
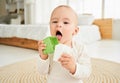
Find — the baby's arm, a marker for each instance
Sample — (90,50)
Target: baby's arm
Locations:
(79,68)
(41,47)
(83,64)
(43,61)
(63,54)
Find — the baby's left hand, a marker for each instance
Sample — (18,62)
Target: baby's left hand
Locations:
(68,62)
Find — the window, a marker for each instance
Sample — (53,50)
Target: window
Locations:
(112,9)
(44,8)
(87,6)
(95,7)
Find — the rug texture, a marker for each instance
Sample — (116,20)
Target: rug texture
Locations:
(26,72)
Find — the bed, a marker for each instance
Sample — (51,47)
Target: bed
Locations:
(28,35)
(105,64)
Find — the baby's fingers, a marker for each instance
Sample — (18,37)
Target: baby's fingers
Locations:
(41,45)
(40,42)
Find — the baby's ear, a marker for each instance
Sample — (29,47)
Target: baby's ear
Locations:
(76,30)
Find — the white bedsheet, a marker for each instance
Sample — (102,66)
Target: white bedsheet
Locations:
(35,32)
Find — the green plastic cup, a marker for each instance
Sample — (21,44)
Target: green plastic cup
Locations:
(50,44)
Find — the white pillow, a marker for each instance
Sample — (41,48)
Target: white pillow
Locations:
(85,19)
(87,34)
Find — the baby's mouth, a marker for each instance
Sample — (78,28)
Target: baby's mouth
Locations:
(58,35)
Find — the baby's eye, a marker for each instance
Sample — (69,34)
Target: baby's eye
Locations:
(54,22)
(66,22)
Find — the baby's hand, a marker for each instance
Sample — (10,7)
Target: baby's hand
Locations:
(68,62)
(41,47)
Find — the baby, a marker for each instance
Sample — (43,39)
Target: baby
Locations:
(71,67)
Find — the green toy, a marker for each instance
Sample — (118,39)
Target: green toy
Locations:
(50,44)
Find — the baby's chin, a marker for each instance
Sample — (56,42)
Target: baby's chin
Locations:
(62,41)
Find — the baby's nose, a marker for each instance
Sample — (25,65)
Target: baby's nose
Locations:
(59,25)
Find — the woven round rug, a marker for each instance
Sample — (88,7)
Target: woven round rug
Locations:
(26,72)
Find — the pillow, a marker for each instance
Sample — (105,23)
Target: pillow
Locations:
(85,19)
(87,34)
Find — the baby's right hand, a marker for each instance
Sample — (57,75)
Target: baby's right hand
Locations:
(41,47)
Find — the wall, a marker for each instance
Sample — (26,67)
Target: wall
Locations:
(116,29)
(2,8)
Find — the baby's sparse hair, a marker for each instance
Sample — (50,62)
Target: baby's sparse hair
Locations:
(66,6)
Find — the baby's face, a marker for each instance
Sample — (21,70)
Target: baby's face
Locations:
(63,24)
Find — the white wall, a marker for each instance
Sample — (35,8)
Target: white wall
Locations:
(116,29)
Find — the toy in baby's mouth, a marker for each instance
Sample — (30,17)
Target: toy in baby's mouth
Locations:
(53,46)
(50,42)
